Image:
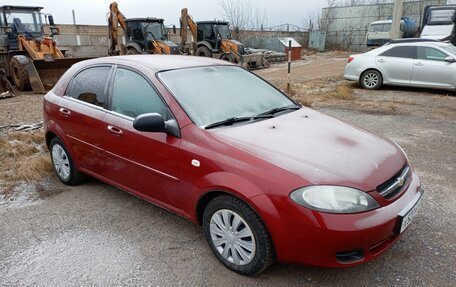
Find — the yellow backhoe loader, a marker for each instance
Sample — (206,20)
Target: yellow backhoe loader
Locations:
(27,55)
(213,39)
(142,35)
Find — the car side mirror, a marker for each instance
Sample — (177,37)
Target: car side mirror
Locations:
(450,59)
(155,123)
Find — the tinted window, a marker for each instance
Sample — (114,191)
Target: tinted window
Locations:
(426,53)
(90,85)
(133,95)
(400,52)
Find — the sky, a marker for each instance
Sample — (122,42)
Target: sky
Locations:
(93,12)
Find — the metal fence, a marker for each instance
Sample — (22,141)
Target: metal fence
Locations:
(347,26)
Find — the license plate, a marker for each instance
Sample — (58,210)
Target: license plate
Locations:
(406,216)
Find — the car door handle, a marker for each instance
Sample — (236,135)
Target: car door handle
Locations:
(115,130)
(419,64)
(381,61)
(65,112)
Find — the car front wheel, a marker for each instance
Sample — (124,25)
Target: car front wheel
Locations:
(237,236)
(371,80)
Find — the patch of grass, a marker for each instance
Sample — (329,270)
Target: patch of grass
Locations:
(34,168)
(24,157)
(323,91)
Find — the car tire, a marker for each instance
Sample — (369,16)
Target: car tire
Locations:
(371,80)
(63,163)
(203,51)
(226,218)
(228,57)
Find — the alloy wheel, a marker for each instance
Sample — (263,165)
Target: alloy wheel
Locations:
(371,80)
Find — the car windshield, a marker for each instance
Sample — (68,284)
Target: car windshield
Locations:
(449,48)
(441,16)
(224,31)
(24,21)
(213,94)
(154,28)
(380,27)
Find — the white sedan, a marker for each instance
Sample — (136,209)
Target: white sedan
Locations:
(422,63)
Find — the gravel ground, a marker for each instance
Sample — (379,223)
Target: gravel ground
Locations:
(94,234)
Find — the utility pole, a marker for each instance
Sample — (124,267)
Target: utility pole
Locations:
(74,17)
(397,15)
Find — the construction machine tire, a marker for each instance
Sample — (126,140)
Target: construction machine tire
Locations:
(229,58)
(203,51)
(132,51)
(19,72)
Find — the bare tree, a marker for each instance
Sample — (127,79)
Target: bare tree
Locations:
(239,13)
(312,20)
(259,18)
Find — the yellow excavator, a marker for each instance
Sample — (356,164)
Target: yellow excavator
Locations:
(142,35)
(28,56)
(213,39)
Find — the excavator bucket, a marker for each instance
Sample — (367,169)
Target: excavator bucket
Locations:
(254,62)
(6,90)
(44,75)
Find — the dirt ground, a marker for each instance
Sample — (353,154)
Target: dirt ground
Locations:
(94,234)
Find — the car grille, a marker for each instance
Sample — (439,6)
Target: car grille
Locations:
(395,185)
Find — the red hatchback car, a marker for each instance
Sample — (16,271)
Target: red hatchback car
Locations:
(267,178)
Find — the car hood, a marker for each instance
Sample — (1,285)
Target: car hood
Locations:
(318,148)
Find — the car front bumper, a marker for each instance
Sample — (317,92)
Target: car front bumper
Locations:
(304,236)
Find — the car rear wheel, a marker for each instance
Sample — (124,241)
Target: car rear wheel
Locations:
(371,80)
(237,236)
(63,163)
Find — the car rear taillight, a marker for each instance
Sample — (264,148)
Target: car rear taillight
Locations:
(350,59)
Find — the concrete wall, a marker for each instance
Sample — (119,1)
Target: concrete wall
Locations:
(93,41)
(347,26)
(83,40)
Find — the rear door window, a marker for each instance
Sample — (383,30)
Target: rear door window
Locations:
(133,95)
(90,85)
(407,52)
(427,53)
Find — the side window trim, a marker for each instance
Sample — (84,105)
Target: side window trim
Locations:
(106,90)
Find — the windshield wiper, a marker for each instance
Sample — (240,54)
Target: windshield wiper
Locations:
(233,120)
(278,110)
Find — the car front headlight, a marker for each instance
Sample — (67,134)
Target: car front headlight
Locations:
(334,199)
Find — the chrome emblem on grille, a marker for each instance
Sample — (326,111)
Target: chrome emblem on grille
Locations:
(400,181)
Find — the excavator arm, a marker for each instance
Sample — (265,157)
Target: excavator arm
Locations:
(186,21)
(115,19)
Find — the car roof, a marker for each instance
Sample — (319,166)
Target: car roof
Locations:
(156,62)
